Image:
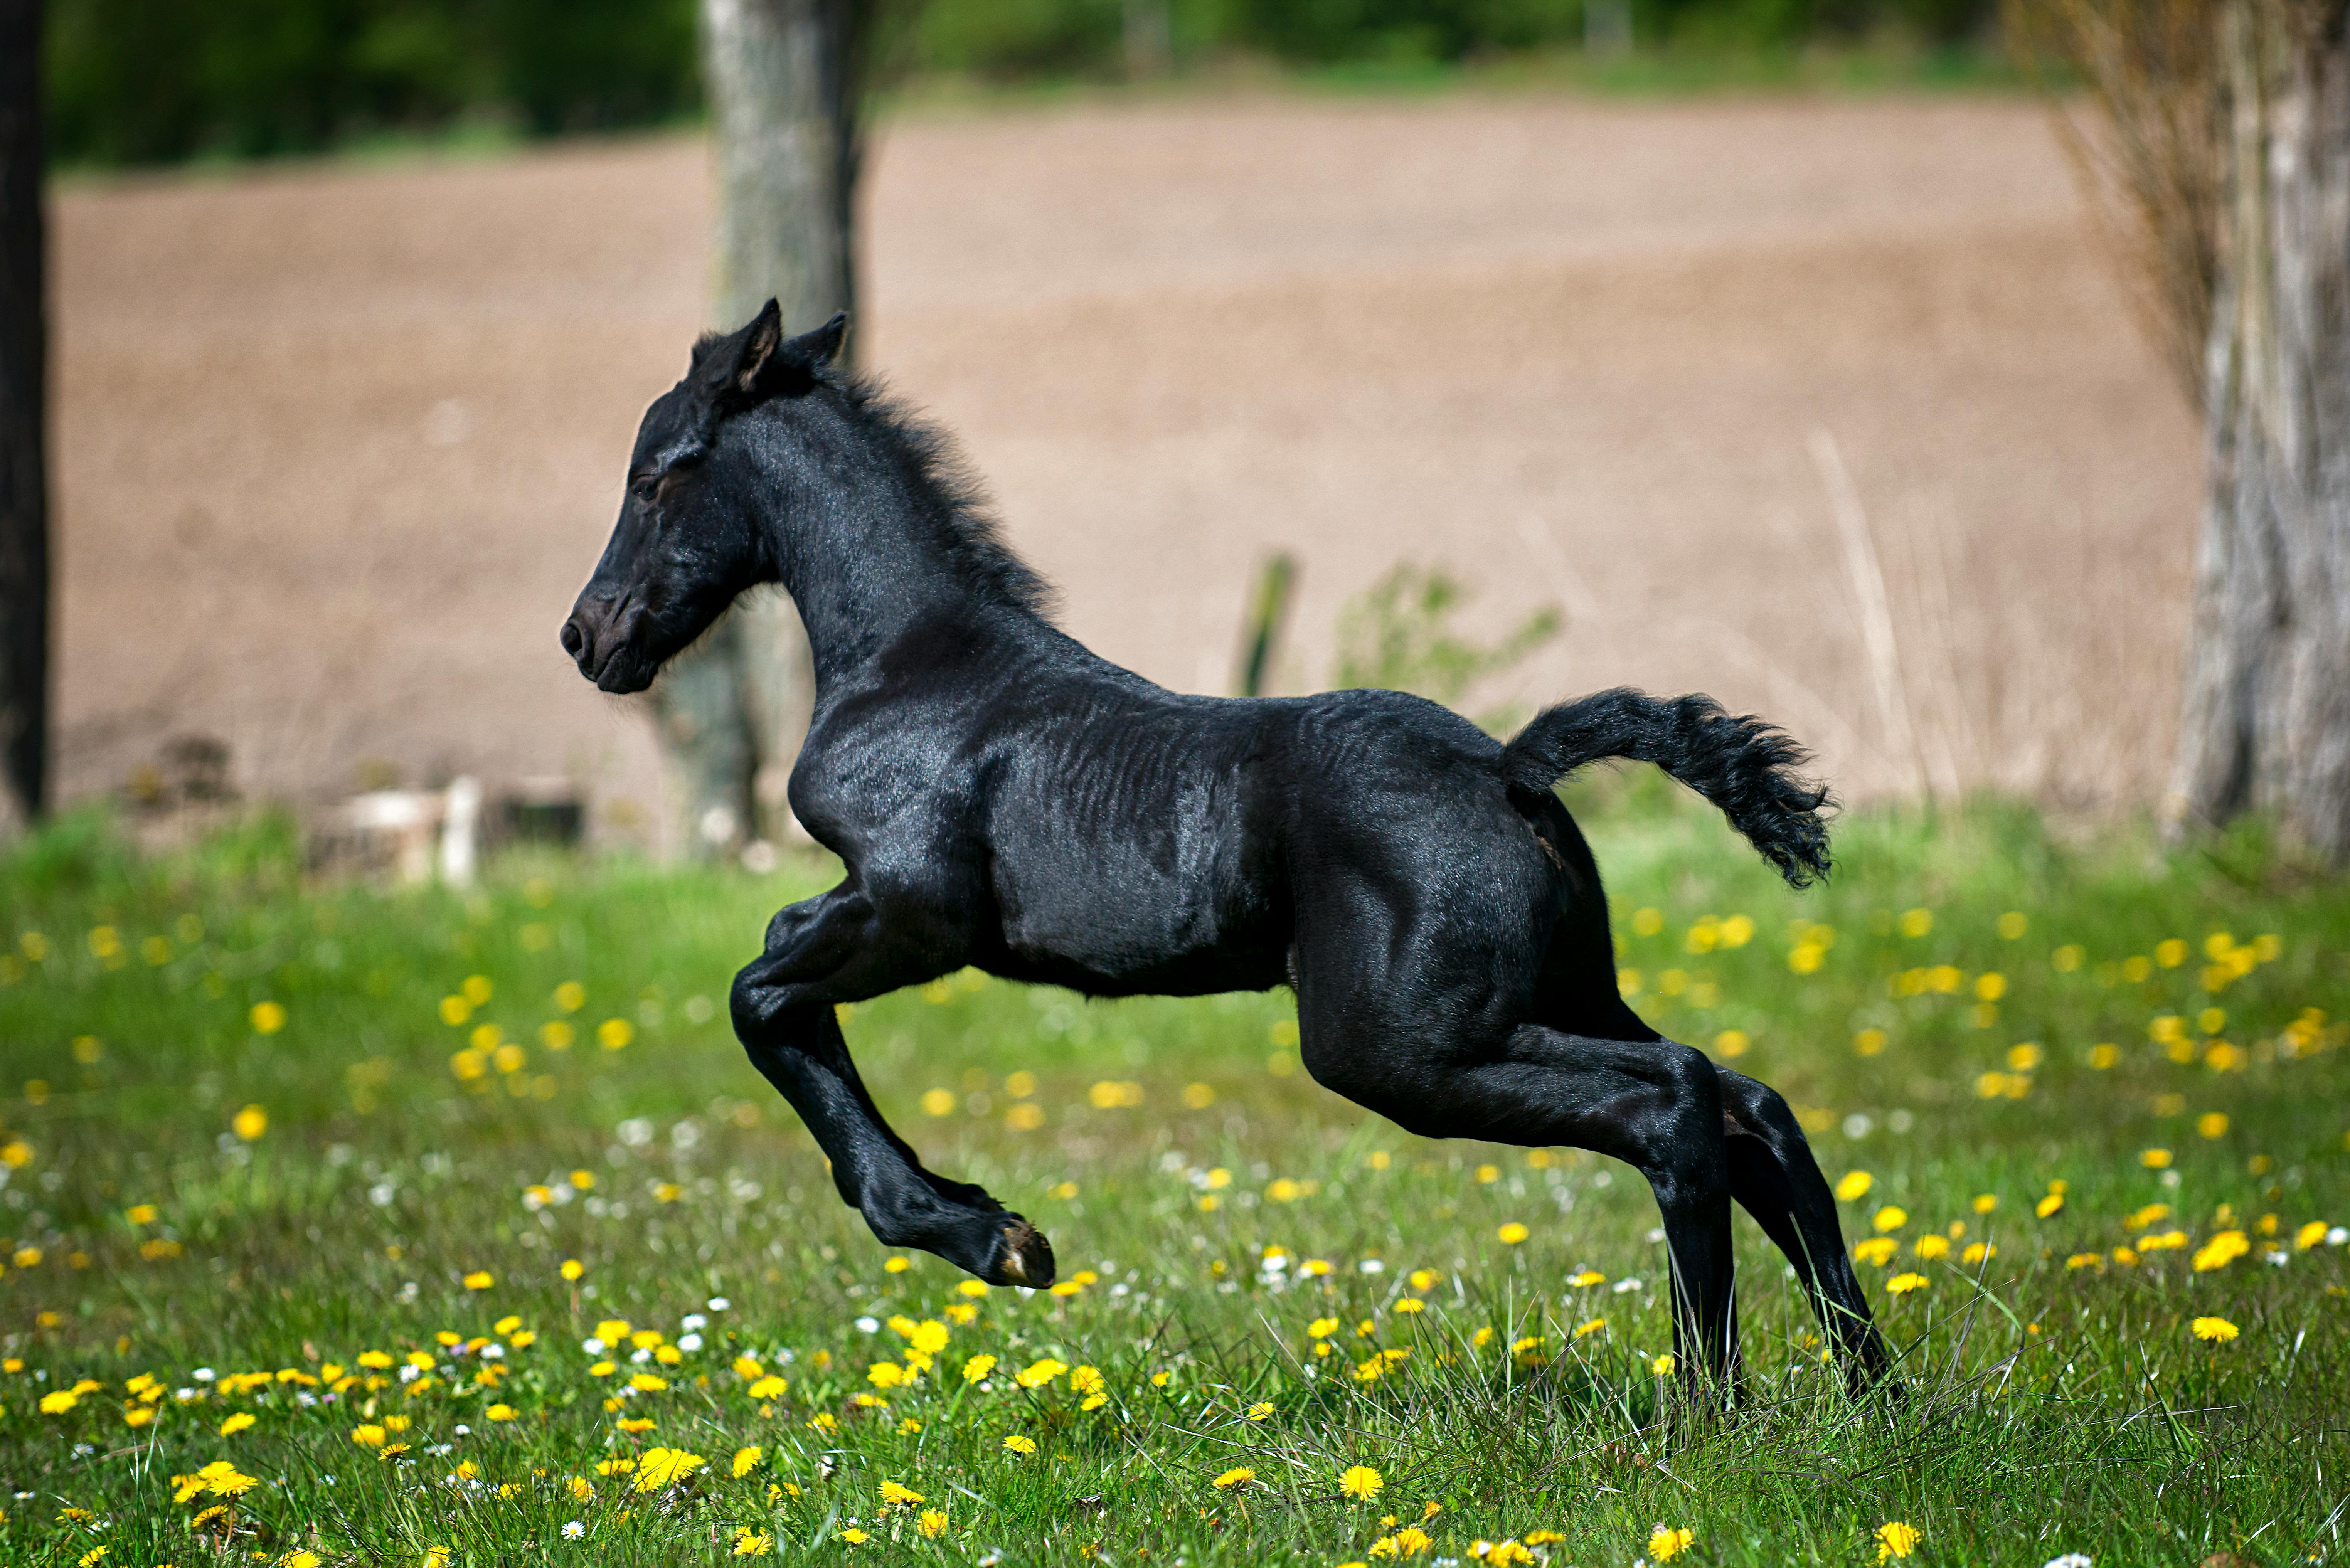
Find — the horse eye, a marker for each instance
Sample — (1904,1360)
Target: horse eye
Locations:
(645,487)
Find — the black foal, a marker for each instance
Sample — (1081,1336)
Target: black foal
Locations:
(1000,797)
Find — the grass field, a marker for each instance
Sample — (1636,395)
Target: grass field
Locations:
(350,1225)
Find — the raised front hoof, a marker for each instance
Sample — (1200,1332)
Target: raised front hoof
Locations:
(1022,1256)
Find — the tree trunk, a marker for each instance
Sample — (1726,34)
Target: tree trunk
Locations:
(2265,723)
(784,77)
(24,500)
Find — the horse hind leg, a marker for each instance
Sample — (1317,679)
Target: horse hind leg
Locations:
(1776,1180)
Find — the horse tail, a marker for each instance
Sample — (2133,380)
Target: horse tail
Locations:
(1743,766)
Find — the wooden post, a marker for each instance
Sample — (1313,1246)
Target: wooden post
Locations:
(23,378)
(2265,717)
(784,77)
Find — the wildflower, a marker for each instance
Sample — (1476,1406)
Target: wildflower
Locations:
(500,1412)
(1361,1482)
(1040,1373)
(1854,1184)
(1877,1249)
(747,1460)
(646,1382)
(933,1523)
(976,1369)
(1665,1543)
(1020,1445)
(480,1280)
(572,1267)
(661,1466)
(885,1375)
(1902,1284)
(2155,1158)
(1261,1410)
(369,1435)
(1594,1327)
(574,1530)
(2049,1205)
(1512,1233)
(768,1387)
(1409,1541)
(854,1537)
(892,1492)
(1895,1538)
(1890,1218)
(235,1424)
(250,1122)
(1663,1365)
(2221,1250)
(1410,1305)
(2218,1330)
(2071,1560)
(1323,1328)
(1930,1247)
(220,1478)
(1233,1478)
(58,1403)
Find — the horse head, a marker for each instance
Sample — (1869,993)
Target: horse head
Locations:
(688,539)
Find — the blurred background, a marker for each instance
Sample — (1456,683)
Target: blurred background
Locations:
(1502,349)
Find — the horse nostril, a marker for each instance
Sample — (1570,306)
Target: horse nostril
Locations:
(575,640)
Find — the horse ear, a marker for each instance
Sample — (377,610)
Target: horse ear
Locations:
(757,358)
(820,348)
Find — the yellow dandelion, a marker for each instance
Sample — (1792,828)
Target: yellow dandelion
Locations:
(1895,1538)
(933,1523)
(1020,1445)
(2218,1330)
(1854,1184)
(250,1122)
(1233,1478)
(1361,1482)
(749,1543)
(1665,1542)
(747,1460)
(235,1424)
(1512,1233)
(1902,1284)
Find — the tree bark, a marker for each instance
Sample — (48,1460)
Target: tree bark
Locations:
(784,77)
(2265,718)
(24,375)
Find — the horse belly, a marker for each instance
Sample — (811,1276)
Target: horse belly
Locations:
(1115,916)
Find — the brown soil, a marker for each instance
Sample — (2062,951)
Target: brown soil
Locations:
(337,444)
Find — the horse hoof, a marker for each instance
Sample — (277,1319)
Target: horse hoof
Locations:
(1023,1257)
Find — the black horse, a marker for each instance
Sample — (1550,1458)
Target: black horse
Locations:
(1002,797)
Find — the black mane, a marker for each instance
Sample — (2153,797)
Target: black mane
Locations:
(953,498)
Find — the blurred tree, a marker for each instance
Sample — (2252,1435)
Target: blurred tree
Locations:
(785,79)
(2224,163)
(24,497)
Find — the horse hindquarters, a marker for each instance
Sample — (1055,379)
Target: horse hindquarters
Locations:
(1421,957)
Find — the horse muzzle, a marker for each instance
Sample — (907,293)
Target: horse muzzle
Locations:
(607,645)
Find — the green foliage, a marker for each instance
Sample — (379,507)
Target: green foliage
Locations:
(1397,636)
(133,81)
(146,80)
(1170,1148)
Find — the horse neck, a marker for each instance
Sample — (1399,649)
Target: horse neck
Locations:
(859,547)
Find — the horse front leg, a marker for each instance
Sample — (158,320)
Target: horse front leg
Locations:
(828,950)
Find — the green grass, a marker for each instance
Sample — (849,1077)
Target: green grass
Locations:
(2050,1408)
